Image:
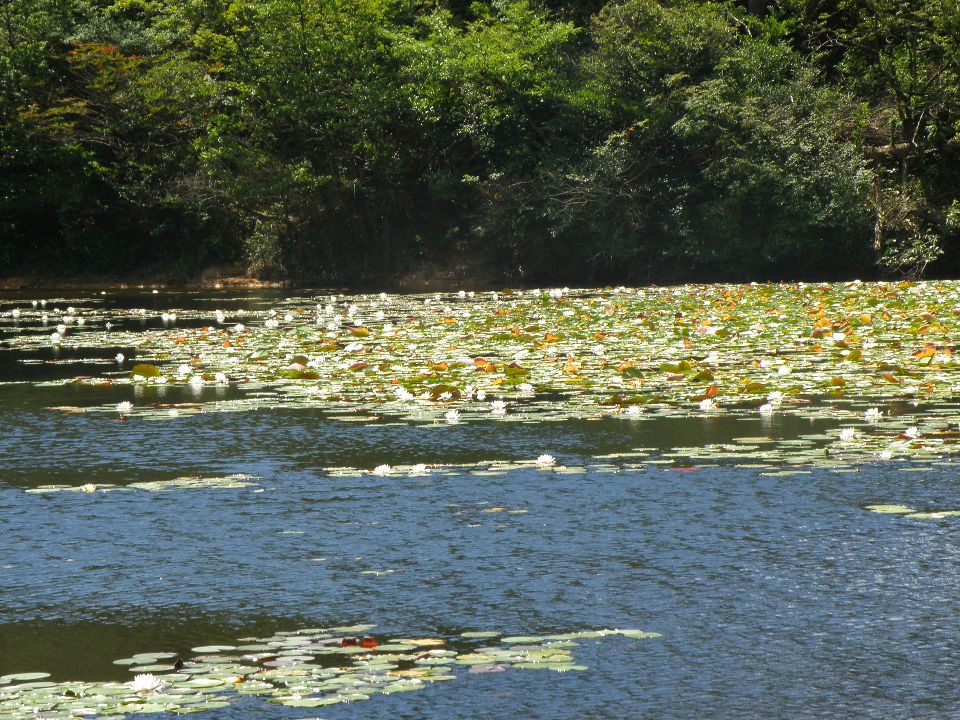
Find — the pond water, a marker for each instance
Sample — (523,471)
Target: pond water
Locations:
(743,541)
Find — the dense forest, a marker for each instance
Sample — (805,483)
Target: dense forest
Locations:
(587,141)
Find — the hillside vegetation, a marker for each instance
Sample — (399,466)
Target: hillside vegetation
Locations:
(589,141)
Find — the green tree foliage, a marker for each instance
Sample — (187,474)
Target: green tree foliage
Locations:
(781,184)
(614,139)
(904,59)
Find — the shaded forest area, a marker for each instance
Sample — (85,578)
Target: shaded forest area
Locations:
(576,142)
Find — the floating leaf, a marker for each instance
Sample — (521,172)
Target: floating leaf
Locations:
(889,509)
(23,677)
(145,370)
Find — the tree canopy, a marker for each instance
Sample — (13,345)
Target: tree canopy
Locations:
(342,140)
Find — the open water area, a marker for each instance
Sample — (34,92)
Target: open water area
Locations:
(768,593)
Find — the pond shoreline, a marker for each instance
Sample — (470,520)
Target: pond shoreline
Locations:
(145,283)
(425,277)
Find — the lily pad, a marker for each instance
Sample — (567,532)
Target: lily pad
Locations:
(23,677)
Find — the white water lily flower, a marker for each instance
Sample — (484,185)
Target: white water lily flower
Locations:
(713,357)
(912,432)
(546,461)
(445,395)
(15,313)
(634,410)
(498,407)
(221,378)
(239,327)
(838,337)
(119,357)
(525,388)
(196,380)
(766,409)
(288,317)
(62,329)
(847,434)
(271,323)
(220,316)
(775,398)
(872,414)
(418,469)
(885,455)
(708,405)
(382,470)
(452,416)
(481,395)
(124,407)
(145,683)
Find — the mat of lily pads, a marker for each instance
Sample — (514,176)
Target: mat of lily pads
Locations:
(876,358)
(305,668)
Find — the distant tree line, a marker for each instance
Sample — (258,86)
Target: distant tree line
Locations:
(573,141)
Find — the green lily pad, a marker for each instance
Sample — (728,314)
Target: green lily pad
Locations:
(23,677)
(145,370)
